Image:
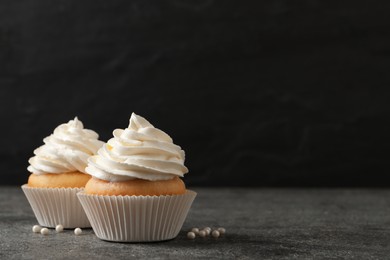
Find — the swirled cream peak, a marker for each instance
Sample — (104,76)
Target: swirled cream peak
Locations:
(140,151)
(66,150)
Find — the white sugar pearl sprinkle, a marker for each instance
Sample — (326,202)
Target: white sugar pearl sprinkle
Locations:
(221,230)
(191,235)
(44,231)
(202,233)
(195,230)
(78,231)
(59,228)
(215,233)
(36,228)
(207,230)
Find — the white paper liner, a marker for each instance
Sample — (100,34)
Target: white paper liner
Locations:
(53,206)
(137,218)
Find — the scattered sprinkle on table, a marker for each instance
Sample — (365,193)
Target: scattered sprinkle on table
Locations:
(59,228)
(78,231)
(221,230)
(202,233)
(215,233)
(195,230)
(44,231)
(191,235)
(36,228)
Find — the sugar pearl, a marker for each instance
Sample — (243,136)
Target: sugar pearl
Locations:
(36,228)
(44,231)
(202,233)
(59,228)
(215,233)
(195,230)
(191,235)
(78,231)
(221,230)
(207,230)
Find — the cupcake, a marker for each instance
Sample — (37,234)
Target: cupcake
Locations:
(58,173)
(136,193)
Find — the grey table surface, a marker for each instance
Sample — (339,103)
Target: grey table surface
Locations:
(260,224)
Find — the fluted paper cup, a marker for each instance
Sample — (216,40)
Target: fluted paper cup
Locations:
(54,206)
(137,218)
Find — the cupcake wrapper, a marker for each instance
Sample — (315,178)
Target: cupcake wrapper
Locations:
(53,206)
(137,218)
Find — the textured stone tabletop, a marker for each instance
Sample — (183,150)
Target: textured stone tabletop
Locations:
(260,224)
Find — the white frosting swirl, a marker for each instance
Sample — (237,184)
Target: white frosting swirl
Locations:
(140,151)
(66,150)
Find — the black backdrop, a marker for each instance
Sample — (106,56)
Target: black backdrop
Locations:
(258,93)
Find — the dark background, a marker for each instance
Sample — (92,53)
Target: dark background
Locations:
(258,93)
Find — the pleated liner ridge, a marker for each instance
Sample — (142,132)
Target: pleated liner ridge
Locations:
(53,206)
(137,218)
